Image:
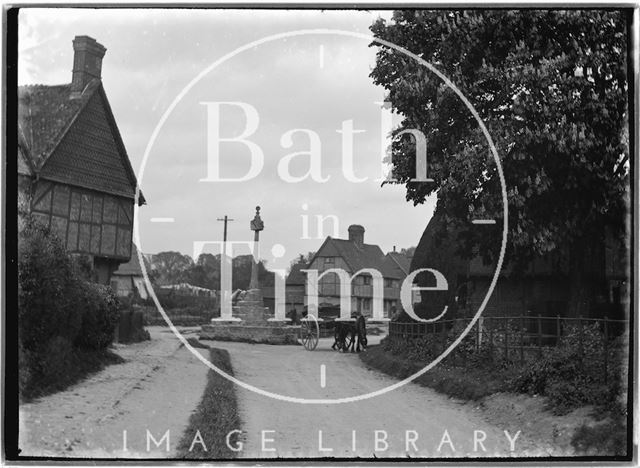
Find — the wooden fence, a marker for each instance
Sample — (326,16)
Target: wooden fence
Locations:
(519,338)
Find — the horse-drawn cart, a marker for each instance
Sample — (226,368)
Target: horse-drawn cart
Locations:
(345,332)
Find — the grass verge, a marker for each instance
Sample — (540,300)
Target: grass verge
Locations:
(463,383)
(78,365)
(214,418)
(608,437)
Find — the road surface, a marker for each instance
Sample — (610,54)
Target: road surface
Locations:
(156,389)
(411,421)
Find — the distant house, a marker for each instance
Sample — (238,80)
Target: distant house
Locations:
(400,262)
(128,280)
(295,288)
(353,255)
(74,173)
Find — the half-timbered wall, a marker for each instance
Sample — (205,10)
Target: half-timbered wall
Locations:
(329,285)
(87,221)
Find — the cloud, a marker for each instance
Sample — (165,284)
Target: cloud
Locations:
(313,82)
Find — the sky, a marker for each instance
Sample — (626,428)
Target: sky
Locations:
(291,100)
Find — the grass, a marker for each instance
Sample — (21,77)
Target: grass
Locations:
(215,417)
(609,436)
(80,365)
(463,383)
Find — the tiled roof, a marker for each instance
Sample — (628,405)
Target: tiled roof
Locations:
(25,166)
(45,112)
(401,261)
(366,256)
(74,140)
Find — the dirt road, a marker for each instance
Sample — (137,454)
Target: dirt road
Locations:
(410,421)
(156,389)
(161,384)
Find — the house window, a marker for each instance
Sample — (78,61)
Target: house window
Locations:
(329,261)
(366,304)
(366,280)
(388,283)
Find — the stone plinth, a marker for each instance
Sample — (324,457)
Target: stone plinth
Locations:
(235,331)
(256,324)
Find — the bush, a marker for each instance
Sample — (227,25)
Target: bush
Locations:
(48,290)
(100,317)
(64,322)
(572,374)
(131,326)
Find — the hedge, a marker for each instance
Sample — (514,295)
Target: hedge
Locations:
(65,323)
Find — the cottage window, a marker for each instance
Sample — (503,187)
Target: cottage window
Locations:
(366,304)
(366,280)
(329,261)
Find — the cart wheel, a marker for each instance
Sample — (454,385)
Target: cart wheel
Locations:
(309,332)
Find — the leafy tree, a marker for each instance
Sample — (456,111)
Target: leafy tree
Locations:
(551,87)
(409,252)
(241,279)
(303,259)
(174,267)
(206,272)
(171,267)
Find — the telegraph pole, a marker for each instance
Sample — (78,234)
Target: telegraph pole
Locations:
(226,266)
(225,219)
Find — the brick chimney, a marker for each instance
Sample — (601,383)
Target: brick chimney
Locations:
(87,62)
(356,234)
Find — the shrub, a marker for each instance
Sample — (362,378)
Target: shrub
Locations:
(131,325)
(54,363)
(572,374)
(64,322)
(99,317)
(48,289)
(83,267)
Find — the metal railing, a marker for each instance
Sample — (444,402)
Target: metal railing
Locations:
(513,338)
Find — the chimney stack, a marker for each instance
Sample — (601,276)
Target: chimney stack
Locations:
(87,62)
(356,234)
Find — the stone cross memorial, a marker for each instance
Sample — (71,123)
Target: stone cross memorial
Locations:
(250,320)
(256,226)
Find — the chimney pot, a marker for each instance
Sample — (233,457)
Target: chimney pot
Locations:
(87,62)
(356,234)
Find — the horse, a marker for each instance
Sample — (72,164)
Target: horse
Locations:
(357,330)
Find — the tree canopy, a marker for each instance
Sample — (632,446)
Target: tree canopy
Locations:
(551,87)
(174,267)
